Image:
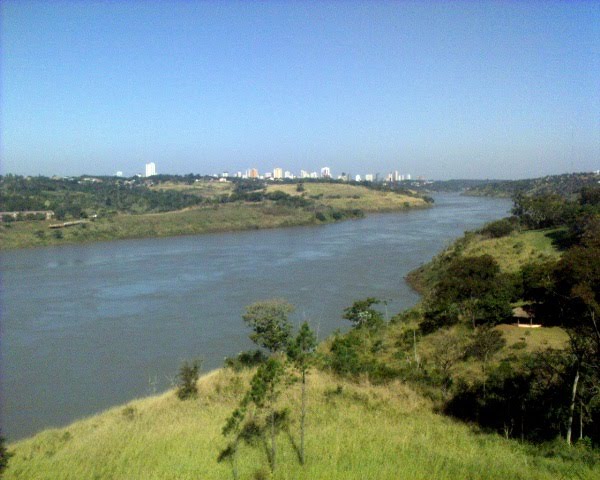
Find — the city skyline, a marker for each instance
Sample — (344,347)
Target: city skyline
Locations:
(442,89)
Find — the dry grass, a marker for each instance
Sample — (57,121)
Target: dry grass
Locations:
(204,189)
(513,251)
(344,196)
(354,432)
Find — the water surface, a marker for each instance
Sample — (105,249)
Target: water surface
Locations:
(87,327)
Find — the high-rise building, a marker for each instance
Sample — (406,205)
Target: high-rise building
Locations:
(304,174)
(253,173)
(369,177)
(150,169)
(326,172)
(278,173)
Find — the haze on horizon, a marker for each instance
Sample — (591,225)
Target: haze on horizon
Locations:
(439,89)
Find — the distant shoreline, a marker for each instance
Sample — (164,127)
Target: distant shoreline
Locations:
(192,221)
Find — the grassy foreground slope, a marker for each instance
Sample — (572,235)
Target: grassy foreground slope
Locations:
(354,432)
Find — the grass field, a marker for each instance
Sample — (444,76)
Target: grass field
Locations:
(511,253)
(203,189)
(344,196)
(514,250)
(353,432)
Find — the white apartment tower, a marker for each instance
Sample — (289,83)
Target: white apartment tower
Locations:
(150,169)
(326,172)
(278,173)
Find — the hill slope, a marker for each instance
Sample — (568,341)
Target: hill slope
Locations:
(354,432)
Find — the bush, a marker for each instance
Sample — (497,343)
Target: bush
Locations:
(499,228)
(4,456)
(247,359)
(187,378)
(320,216)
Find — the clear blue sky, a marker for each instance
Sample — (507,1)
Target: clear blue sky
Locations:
(444,90)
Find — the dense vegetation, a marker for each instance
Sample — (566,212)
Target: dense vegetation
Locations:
(567,185)
(461,327)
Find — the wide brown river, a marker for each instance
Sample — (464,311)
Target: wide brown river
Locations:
(87,327)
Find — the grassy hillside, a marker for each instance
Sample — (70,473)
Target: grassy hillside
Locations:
(354,432)
(511,252)
(345,196)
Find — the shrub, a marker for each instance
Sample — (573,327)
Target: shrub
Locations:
(187,378)
(499,228)
(247,359)
(4,455)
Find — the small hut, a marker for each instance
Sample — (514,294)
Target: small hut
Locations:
(523,315)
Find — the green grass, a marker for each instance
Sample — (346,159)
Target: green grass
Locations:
(513,251)
(344,196)
(354,432)
(534,339)
(204,189)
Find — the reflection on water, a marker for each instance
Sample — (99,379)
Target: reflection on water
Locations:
(87,327)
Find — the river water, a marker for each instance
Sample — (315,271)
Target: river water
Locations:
(87,327)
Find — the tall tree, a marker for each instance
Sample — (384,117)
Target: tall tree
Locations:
(269,322)
(300,352)
(471,288)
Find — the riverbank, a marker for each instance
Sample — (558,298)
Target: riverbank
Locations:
(328,203)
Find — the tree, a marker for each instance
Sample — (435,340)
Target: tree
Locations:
(265,389)
(577,301)
(269,321)
(448,348)
(362,315)
(187,379)
(485,342)
(300,352)
(4,456)
(471,288)
(264,392)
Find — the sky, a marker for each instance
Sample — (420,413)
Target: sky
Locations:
(437,89)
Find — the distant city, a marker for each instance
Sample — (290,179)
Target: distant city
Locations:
(279,173)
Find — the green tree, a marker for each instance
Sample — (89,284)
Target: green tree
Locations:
(485,342)
(471,288)
(187,379)
(4,456)
(301,351)
(361,314)
(269,321)
(265,389)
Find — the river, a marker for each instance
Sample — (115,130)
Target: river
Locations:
(87,327)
